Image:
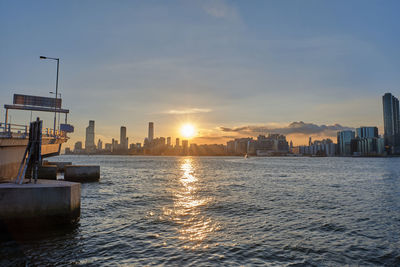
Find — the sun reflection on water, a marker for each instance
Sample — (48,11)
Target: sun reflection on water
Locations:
(193,224)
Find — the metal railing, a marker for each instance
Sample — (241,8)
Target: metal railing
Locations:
(10,128)
(21,131)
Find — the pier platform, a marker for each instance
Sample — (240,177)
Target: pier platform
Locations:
(82,173)
(47,203)
(60,164)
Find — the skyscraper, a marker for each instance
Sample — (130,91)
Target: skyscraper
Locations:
(177,142)
(114,145)
(151,131)
(391,121)
(78,147)
(367,132)
(89,142)
(123,139)
(168,141)
(344,142)
(185,146)
(99,145)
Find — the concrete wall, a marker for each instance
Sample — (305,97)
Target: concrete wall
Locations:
(45,203)
(48,172)
(81,174)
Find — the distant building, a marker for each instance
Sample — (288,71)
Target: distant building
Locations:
(368,142)
(381,146)
(108,147)
(324,147)
(391,123)
(78,147)
(271,145)
(242,145)
(157,146)
(168,141)
(99,145)
(252,147)
(114,145)
(371,146)
(89,141)
(146,143)
(185,146)
(207,150)
(123,139)
(177,144)
(344,142)
(185,143)
(151,132)
(230,147)
(239,146)
(367,132)
(162,141)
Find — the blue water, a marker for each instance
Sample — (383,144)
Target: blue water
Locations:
(228,211)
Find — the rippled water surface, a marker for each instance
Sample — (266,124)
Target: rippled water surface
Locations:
(227,211)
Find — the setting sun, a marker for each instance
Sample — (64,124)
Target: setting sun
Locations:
(188,130)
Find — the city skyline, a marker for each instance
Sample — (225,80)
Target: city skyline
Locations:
(222,66)
(308,130)
(364,141)
(151,134)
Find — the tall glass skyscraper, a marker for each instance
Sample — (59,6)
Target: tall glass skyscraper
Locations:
(151,131)
(89,142)
(367,132)
(344,142)
(123,140)
(391,120)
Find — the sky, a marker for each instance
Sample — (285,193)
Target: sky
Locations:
(231,68)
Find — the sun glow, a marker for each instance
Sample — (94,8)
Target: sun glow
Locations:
(188,130)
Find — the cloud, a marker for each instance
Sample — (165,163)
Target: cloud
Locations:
(220,9)
(299,127)
(187,111)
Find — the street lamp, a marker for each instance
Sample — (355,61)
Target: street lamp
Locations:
(58,126)
(56,94)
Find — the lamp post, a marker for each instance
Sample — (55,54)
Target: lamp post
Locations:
(56,94)
(58,126)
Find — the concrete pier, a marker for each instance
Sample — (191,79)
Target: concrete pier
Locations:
(47,203)
(60,164)
(82,174)
(48,172)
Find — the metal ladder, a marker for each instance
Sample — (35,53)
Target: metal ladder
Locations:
(33,153)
